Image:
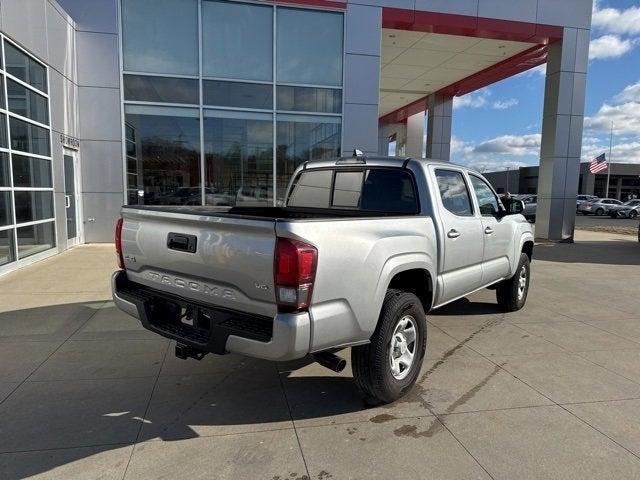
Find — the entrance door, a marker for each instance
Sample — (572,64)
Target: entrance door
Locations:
(71,198)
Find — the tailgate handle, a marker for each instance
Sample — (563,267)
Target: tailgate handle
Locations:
(182,242)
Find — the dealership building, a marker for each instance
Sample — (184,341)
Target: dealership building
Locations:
(216,102)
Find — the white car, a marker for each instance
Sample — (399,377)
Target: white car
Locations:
(600,206)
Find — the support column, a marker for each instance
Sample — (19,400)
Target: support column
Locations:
(440,110)
(562,121)
(415,135)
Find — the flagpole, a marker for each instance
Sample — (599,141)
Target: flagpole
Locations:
(606,192)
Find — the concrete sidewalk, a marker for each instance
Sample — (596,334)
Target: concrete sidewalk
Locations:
(550,392)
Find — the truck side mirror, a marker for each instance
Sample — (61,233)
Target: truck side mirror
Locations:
(513,206)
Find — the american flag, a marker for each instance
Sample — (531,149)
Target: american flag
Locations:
(598,164)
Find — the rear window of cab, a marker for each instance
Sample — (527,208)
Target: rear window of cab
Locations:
(385,190)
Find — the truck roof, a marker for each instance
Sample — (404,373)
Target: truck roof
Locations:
(377,161)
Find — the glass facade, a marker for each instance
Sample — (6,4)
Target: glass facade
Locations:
(224,99)
(27,224)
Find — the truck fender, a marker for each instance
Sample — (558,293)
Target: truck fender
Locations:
(401,263)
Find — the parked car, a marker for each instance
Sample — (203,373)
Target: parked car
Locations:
(629,209)
(530,205)
(584,198)
(358,254)
(600,206)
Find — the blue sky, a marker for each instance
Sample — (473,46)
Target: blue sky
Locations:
(499,126)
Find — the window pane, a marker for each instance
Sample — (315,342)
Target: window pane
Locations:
(27,103)
(25,68)
(31,172)
(390,191)
(160,36)
(165,157)
(347,189)
(309,47)
(308,99)
(2,90)
(27,137)
(454,193)
(3,131)
(238,158)
(312,189)
(7,254)
(487,201)
(237,40)
(160,89)
(4,170)
(5,209)
(301,138)
(32,206)
(35,239)
(235,94)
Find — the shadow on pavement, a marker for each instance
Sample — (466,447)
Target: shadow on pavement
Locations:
(610,252)
(464,306)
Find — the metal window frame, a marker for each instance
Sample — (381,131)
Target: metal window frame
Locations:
(202,78)
(14,226)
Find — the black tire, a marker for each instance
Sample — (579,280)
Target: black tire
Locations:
(599,212)
(507,292)
(633,214)
(370,363)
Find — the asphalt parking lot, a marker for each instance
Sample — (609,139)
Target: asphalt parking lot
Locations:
(552,391)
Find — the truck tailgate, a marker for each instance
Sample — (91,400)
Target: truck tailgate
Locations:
(219,260)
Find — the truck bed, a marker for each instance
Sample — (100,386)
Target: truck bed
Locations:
(268,213)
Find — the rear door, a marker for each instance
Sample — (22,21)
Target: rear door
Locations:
(218,260)
(497,232)
(462,235)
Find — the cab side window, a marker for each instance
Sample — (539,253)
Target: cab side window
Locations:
(454,192)
(487,200)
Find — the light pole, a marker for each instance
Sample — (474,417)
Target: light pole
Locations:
(606,191)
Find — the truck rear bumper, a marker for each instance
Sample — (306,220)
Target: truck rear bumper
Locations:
(285,337)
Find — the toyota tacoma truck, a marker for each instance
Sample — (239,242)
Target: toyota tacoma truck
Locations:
(359,251)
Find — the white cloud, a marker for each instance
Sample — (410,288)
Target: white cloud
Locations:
(504,104)
(630,93)
(623,112)
(624,150)
(480,99)
(483,166)
(472,100)
(517,145)
(616,20)
(609,46)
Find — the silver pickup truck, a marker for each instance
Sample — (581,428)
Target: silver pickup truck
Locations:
(361,249)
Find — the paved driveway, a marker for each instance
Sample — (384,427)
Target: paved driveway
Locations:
(550,392)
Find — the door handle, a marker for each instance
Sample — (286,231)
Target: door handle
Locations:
(488,231)
(453,233)
(67,201)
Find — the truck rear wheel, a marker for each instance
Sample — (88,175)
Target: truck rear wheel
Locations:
(386,369)
(512,293)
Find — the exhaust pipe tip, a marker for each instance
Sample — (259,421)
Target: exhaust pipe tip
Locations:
(331,361)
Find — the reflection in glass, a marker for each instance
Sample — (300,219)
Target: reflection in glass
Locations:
(309,99)
(7,254)
(309,45)
(238,158)
(454,192)
(163,153)
(160,89)
(31,172)
(237,40)
(35,239)
(2,90)
(33,205)
(300,138)
(312,189)
(5,209)
(236,94)
(347,189)
(4,170)
(4,141)
(27,69)
(27,103)
(30,138)
(160,36)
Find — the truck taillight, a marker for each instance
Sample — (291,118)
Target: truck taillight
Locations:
(118,241)
(294,274)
